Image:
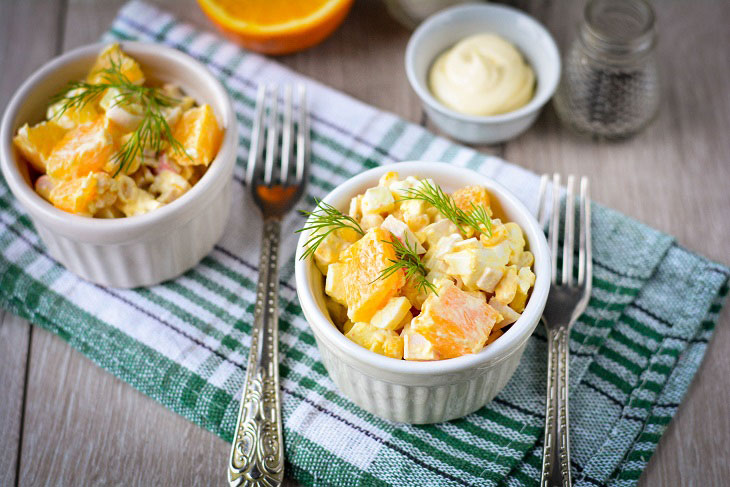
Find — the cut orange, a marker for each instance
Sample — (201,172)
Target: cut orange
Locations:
(113,54)
(455,322)
(277,26)
(468,195)
(85,149)
(84,196)
(72,116)
(199,133)
(37,142)
(365,291)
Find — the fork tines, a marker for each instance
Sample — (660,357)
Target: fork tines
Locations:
(278,138)
(549,207)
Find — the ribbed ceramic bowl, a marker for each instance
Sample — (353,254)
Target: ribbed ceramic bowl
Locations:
(140,250)
(424,392)
(444,29)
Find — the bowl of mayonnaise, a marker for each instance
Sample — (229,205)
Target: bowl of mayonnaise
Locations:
(482,71)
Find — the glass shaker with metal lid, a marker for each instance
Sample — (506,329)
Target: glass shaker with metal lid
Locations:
(610,85)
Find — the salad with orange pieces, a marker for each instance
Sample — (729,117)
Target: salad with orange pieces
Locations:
(115,145)
(414,273)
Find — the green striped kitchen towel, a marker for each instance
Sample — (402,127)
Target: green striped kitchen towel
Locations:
(184,342)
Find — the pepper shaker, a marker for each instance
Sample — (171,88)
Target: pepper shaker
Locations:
(610,84)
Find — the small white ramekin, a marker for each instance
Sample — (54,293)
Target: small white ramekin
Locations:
(140,250)
(424,392)
(444,29)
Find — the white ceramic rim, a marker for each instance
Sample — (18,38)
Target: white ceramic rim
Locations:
(495,352)
(425,94)
(117,228)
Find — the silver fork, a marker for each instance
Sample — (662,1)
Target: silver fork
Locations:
(567,301)
(257,453)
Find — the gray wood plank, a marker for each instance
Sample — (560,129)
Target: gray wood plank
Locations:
(364,58)
(22,50)
(85,427)
(14,337)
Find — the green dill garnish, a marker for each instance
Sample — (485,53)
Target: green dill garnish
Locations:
(407,258)
(153,130)
(324,220)
(478,218)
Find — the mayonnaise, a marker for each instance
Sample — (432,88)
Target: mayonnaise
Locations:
(482,75)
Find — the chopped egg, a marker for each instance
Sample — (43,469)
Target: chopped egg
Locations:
(401,231)
(103,150)
(377,200)
(390,316)
(461,290)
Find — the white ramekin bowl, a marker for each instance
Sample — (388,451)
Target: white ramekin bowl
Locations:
(444,29)
(424,392)
(140,250)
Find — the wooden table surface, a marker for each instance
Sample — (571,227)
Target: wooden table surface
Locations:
(64,421)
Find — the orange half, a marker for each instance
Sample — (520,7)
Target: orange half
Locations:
(277,26)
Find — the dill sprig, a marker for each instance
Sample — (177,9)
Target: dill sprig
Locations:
(478,218)
(408,259)
(153,130)
(323,220)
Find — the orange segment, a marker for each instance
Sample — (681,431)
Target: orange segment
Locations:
(84,196)
(72,116)
(455,322)
(37,142)
(277,26)
(113,53)
(365,293)
(85,149)
(199,133)
(467,195)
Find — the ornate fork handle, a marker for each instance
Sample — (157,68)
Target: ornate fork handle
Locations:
(257,453)
(556,454)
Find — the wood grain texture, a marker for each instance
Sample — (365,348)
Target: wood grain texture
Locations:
(672,176)
(30,34)
(15,334)
(14,338)
(364,59)
(85,427)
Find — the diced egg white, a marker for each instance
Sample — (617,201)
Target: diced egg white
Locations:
(489,279)
(401,231)
(390,316)
(509,315)
(377,200)
(371,221)
(416,347)
(335,282)
(436,231)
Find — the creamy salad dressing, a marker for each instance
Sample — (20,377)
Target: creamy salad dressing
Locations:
(482,75)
